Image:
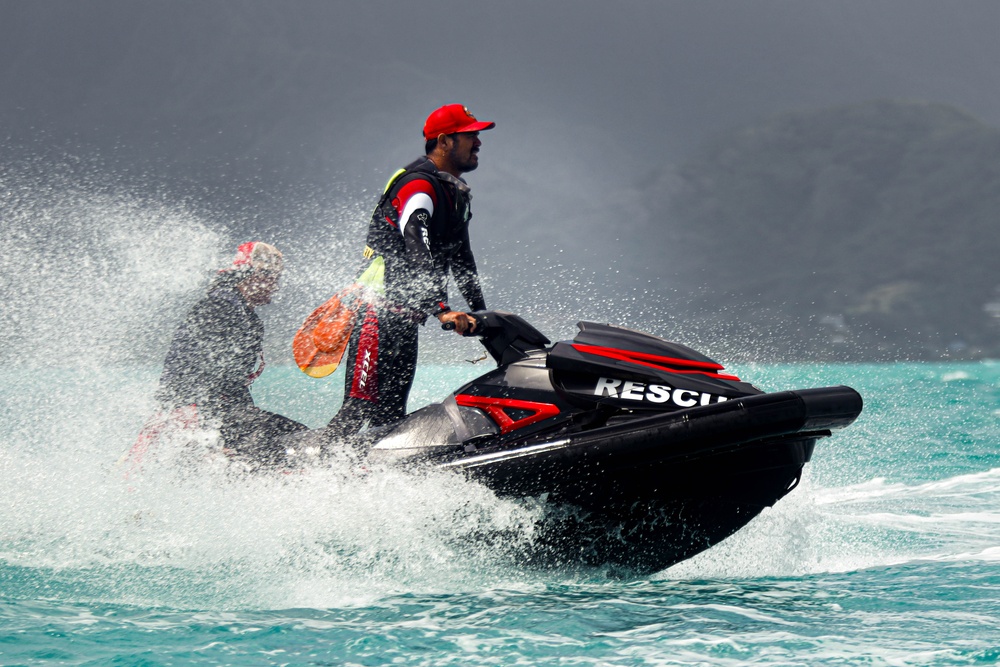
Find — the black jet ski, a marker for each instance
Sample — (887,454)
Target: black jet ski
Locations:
(645,451)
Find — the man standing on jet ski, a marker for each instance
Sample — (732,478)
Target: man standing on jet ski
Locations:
(420,229)
(218,351)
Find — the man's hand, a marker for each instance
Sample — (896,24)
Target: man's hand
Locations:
(463,322)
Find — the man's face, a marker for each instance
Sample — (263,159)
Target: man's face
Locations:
(464,152)
(260,286)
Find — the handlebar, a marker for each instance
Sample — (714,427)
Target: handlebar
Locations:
(506,336)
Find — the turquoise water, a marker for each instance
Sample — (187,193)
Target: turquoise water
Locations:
(888,553)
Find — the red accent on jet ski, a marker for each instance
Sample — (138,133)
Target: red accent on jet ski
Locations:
(671,364)
(494,407)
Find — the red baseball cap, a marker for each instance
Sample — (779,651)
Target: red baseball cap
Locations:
(452,118)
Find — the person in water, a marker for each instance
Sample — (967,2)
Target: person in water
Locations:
(218,351)
(420,229)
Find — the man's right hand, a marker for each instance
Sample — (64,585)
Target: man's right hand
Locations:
(463,322)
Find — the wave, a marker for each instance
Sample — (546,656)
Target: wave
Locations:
(340,535)
(73,527)
(818,530)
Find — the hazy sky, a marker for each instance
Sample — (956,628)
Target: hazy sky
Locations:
(302,81)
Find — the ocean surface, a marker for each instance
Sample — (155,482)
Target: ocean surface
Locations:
(888,553)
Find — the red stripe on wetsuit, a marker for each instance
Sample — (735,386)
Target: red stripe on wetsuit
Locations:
(365,384)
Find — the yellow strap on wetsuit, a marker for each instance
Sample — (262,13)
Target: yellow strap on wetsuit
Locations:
(373,277)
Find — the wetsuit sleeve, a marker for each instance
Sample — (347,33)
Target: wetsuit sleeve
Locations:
(428,286)
(466,276)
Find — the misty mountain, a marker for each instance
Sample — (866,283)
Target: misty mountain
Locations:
(874,223)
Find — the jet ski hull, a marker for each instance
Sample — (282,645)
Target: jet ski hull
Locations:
(654,491)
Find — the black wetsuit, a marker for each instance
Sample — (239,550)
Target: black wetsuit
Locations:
(421,229)
(212,361)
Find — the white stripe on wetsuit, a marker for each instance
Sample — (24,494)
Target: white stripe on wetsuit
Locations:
(417,201)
